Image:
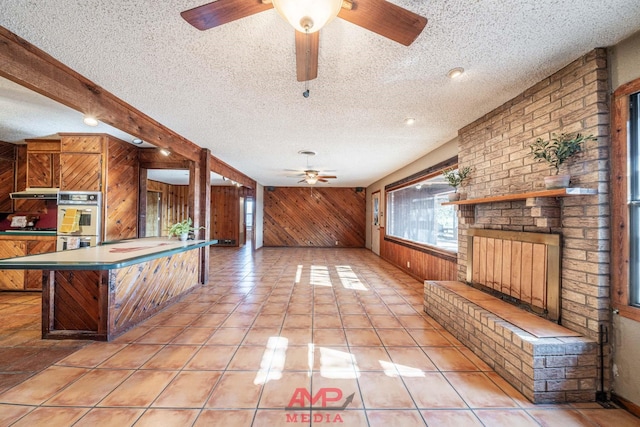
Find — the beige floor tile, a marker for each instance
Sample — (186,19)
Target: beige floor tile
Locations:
(552,417)
(505,418)
(209,320)
(110,417)
(281,418)
(297,336)
(411,358)
(610,417)
(451,418)
(395,337)
(171,357)
(294,358)
(247,358)
(132,356)
(429,338)
(189,389)
(139,390)
(324,337)
(359,321)
(269,321)
(44,416)
(347,394)
(296,321)
(42,386)
(278,394)
(11,413)
(433,391)
(226,418)
(449,359)
(160,335)
(91,388)
(371,358)
(326,321)
(227,336)
(414,322)
(395,418)
(362,337)
(478,390)
(383,392)
(383,321)
(167,418)
(193,335)
(91,355)
(211,358)
(235,390)
(260,336)
(351,418)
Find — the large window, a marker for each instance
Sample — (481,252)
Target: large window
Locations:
(634,198)
(625,200)
(415,213)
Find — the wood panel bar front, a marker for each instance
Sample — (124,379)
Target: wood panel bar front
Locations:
(103,304)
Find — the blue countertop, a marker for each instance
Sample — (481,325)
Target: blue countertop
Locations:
(104,257)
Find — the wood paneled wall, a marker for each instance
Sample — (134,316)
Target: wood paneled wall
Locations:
(314,216)
(175,203)
(422,265)
(225,213)
(121,191)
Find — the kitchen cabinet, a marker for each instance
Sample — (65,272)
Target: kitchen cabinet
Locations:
(19,244)
(81,171)
(43,164)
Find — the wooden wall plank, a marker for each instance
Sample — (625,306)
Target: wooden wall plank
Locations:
(506,267)
(424,266)
(538,278)
(476,260)
(489,280)
(526,272)
(225,213)
(121,195)
(304,216)
(516,266)
(497,265)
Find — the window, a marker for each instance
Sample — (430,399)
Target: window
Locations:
(625,200)
(634,199)
(415,213)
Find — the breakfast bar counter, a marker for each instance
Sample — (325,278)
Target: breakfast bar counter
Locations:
(102,291)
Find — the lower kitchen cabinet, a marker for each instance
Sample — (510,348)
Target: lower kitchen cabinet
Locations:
(16,244)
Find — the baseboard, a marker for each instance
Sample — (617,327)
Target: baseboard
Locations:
(626,404)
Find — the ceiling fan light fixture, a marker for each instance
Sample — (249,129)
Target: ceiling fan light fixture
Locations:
(311,180)
(454,73)
(308,16)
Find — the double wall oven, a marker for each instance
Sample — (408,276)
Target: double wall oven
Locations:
(88,211)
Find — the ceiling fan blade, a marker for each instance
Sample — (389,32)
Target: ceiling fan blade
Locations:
(322,180)
(327,176)
(386,19)
(302,180)
(222,11)
(307,45)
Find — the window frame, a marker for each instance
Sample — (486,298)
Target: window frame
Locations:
(620,241)
(413,179)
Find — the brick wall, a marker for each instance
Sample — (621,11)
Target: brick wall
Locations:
(496,146)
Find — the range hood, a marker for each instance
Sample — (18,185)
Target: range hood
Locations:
(37,193)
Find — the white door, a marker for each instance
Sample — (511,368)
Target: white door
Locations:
(375,223)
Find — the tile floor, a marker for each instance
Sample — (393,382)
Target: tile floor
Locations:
(274,331)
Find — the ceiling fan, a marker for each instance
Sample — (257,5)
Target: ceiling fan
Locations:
(308,16)
(312,176)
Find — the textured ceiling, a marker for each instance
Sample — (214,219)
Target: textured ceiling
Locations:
(233,88)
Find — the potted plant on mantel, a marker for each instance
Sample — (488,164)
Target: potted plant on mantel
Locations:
(556,152)
(455,178)
(182,229)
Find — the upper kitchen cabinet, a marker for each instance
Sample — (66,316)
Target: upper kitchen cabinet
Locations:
(7,173)
(81,162)
(43,163)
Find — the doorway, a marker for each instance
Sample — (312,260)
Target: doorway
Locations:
(154,203)
(375,222)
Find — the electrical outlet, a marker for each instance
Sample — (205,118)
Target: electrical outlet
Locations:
(408,264)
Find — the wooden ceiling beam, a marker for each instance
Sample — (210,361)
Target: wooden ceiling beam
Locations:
(29,66)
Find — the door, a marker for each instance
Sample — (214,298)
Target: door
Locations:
(154,201)
(375,223)
(242,237)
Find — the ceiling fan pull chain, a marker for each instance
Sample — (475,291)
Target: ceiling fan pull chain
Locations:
(306,68)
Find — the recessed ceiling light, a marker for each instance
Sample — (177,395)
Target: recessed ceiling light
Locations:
(137,141)
(455,72)
(307,152)
(409,121)
(164,152)
(90,121)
